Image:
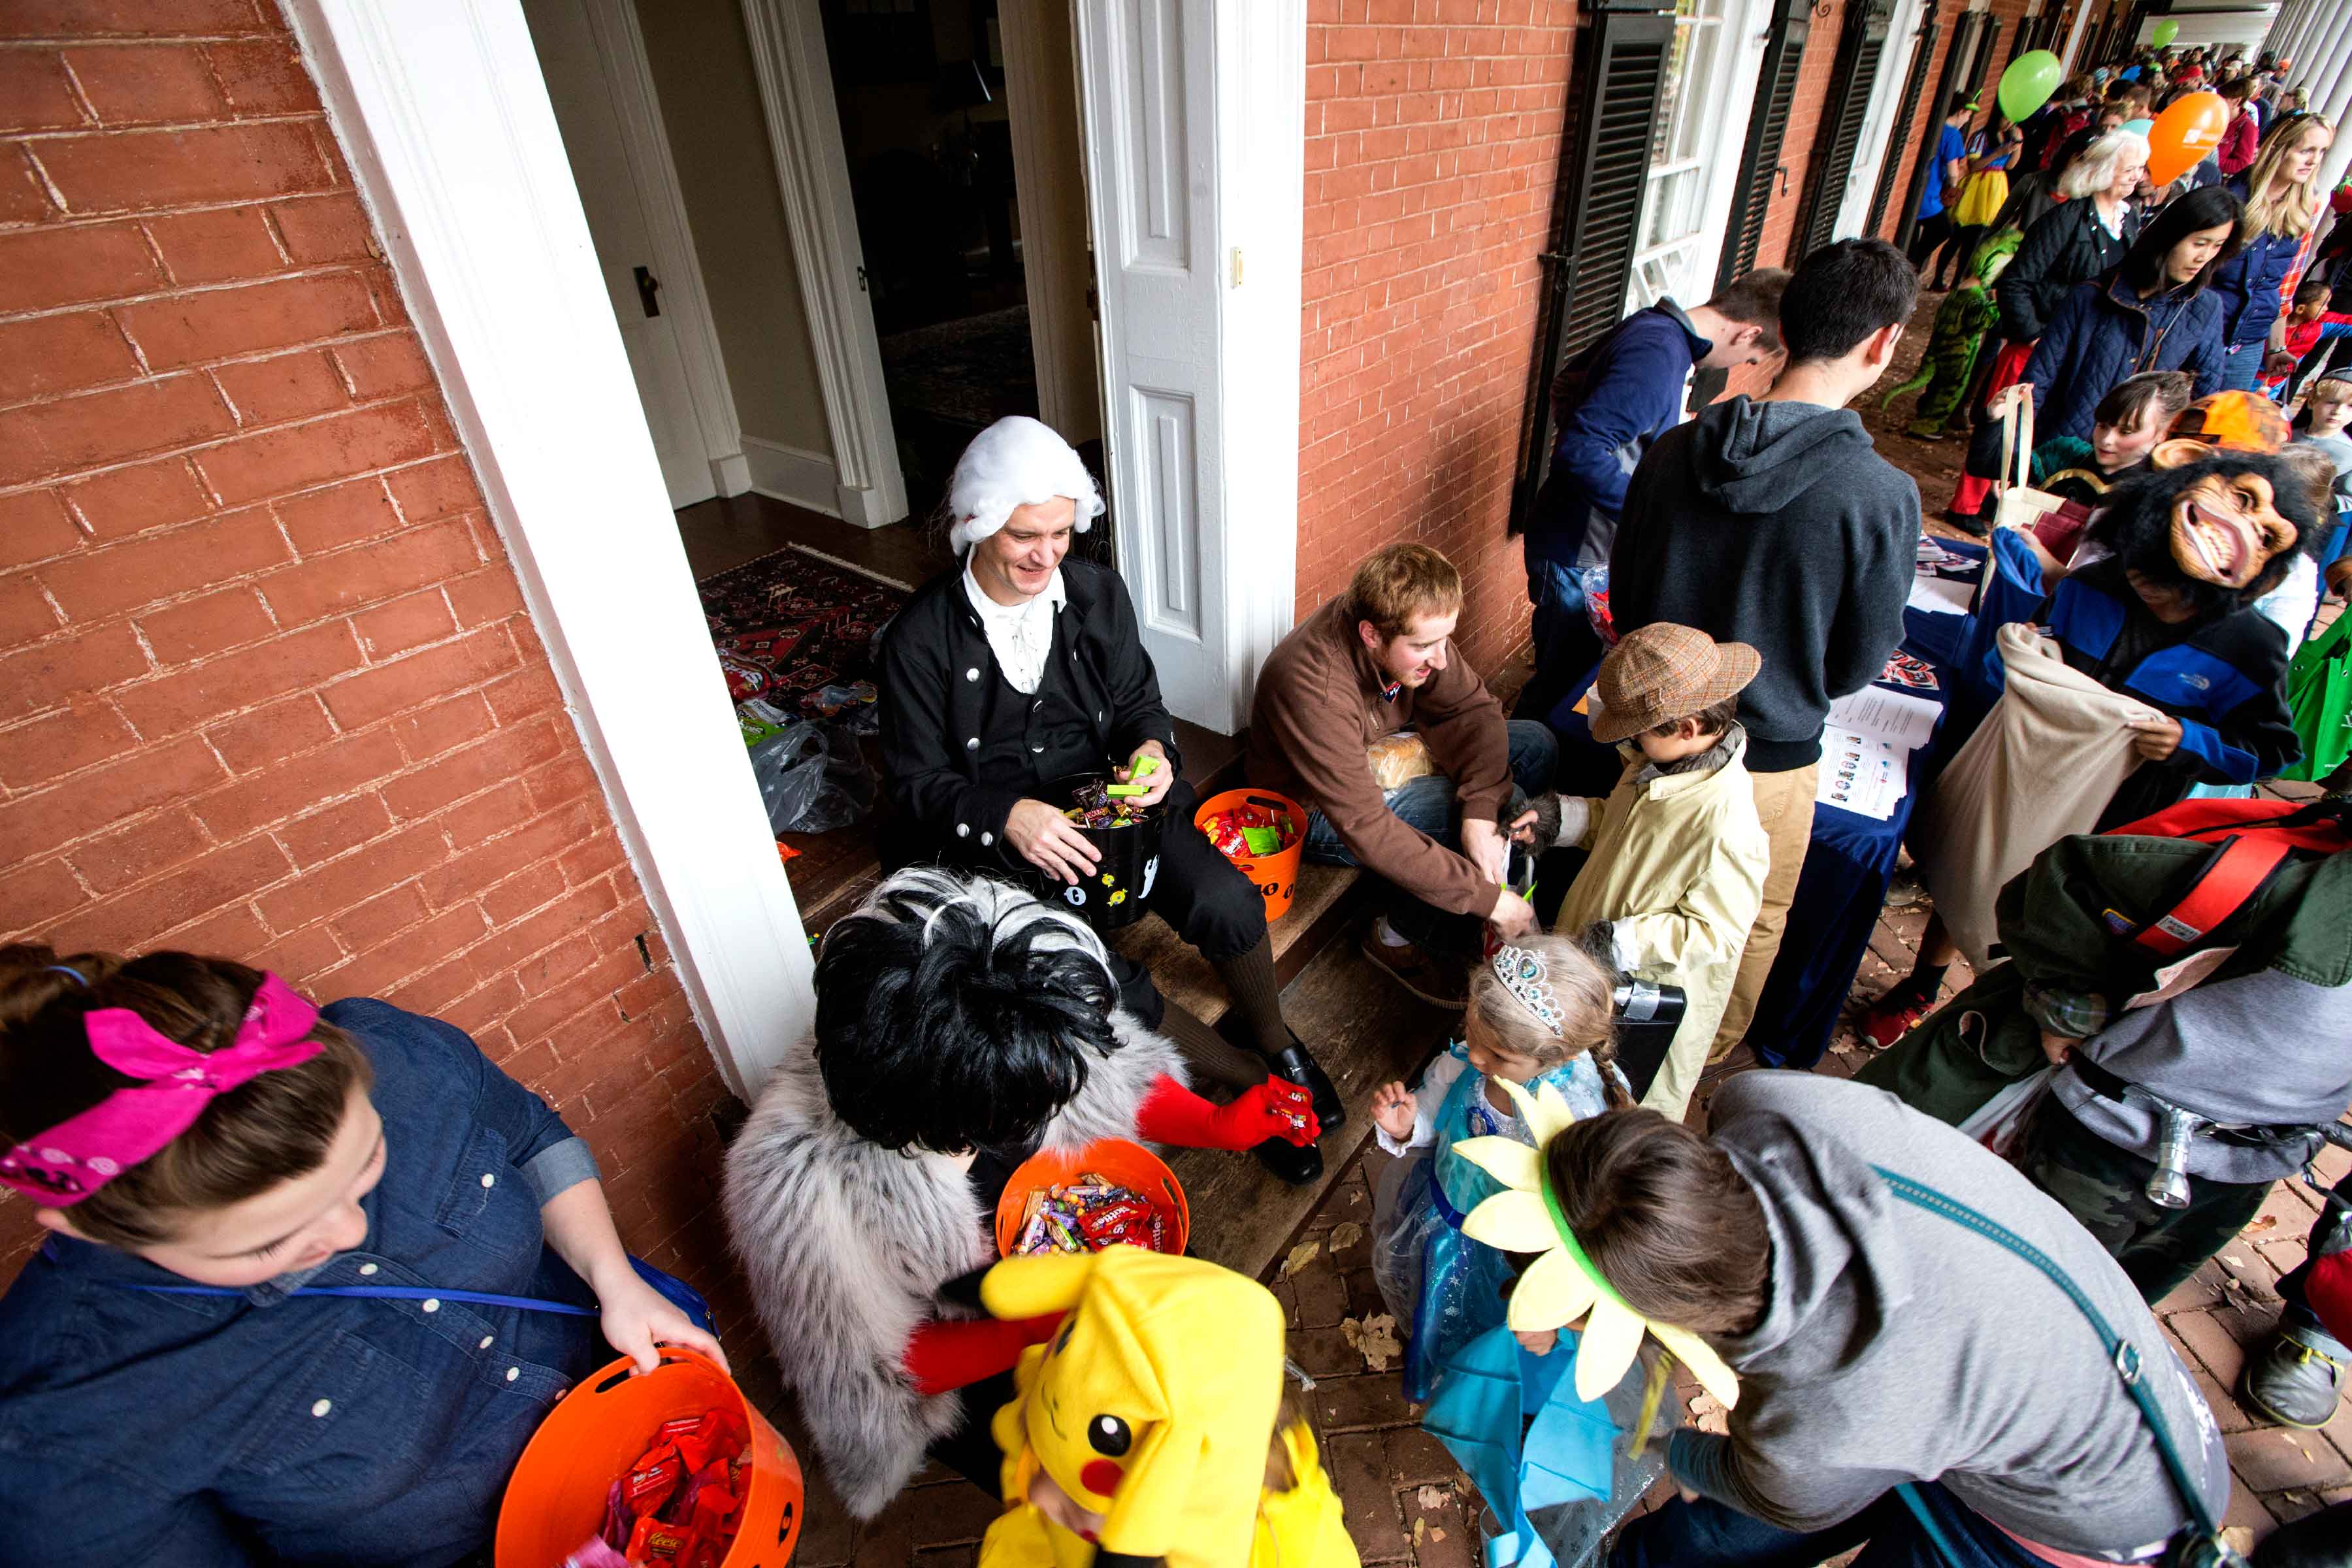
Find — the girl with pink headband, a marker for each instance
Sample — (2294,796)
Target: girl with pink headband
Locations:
(313,1277)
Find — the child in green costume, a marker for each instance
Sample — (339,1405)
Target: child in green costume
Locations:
(1963,322)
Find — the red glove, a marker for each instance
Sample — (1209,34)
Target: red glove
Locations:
(1277,1108)
(946,1353)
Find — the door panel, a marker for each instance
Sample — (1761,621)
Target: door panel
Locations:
(1146,82)
(580,86)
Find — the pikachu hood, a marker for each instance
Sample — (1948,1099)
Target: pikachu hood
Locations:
(1153,1405)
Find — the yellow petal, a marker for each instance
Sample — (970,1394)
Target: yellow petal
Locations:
(1506,1160)
(1524,1101)
(1713,1374)
(1512,1221)
(1552,1293)
(1551,1113)
(1612,1336)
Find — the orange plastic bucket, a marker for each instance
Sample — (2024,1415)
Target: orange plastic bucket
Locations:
(555,1501)
(1129,1164)
(1276,876)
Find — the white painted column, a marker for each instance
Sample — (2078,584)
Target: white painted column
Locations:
(2296,41)
(2335,106)
(2283,26)
(2331,61)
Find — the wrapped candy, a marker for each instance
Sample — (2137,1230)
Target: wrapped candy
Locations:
(1248,831)
(678,1505)
(1087,1215)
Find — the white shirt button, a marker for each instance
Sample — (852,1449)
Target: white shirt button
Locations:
(1036,748)
(322,1406)
(367,1268)
(432,1304)
(513,1372)
(988,838)
(964,830)
(489,1180)
(973,744)
(973,674)
(486,1341)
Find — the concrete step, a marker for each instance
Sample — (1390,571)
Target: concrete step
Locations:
(1366,1031)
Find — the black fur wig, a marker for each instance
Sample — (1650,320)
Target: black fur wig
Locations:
(2135,524)
(954,1013)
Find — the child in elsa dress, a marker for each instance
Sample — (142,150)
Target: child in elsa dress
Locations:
(1539,1013)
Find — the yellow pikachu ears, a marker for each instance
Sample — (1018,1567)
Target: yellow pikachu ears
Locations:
(1032,1287)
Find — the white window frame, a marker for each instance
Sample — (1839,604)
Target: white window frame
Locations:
(1738,66)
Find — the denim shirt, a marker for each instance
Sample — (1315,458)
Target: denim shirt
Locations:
(213,1430)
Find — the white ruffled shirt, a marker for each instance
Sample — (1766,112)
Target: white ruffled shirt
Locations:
(1019,635)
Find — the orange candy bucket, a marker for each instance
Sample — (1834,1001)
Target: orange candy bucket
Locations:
(555,1501)
(1274,876)
(1128,1164)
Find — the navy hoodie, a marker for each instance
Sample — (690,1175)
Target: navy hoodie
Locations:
(1778,525)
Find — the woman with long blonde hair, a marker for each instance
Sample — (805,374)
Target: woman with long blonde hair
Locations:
(2281,199)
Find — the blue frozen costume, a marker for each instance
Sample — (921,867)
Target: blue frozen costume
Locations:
(1450,1288)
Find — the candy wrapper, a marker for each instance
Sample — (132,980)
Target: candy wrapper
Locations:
(1088,1215)
(1092,806)
(1248,831)
(678,1505)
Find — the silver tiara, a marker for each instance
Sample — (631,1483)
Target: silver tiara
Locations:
(1523,974)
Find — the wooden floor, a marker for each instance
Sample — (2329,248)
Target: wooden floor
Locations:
(723,533)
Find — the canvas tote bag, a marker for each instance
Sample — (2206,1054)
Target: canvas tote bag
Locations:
(2042,766)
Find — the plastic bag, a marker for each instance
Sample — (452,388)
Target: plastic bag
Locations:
(813,780)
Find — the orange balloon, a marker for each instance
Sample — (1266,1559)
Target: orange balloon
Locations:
(2183,134)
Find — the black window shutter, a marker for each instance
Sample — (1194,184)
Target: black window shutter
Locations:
(1890,165)
(1768,125)
(1853,76)
(1597,206)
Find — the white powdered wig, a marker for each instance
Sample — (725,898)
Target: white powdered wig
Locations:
(1017,461)
(922,894)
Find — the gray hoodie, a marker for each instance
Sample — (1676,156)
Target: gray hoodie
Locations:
(1778,525)
(1896,1346)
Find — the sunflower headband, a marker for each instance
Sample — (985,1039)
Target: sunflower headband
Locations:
(1562,1284)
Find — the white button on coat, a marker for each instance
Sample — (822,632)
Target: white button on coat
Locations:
(964,830)
(513,1372)
(432,1304)
(322,1406)
(486,1341)
(367,1268)
(973,674)
(973,744)
(988,838)
(489,1180)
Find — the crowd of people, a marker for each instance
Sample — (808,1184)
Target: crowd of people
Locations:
(1924,1299)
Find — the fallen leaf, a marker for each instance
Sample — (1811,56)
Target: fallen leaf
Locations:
(1344,1236)
(1433,1497)
(1300,1256)
(1374,1338)
(1436,1536)
(2263,1222)
(1420,1530)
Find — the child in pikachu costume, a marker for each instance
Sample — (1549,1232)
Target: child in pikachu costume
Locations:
(1148,1429)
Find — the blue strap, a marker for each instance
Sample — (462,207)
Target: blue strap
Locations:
(2210,1546)
(1929,1527)
(387,1293)
(677,1291)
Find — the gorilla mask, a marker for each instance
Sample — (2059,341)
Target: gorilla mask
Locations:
(2227,527)
(2219,529)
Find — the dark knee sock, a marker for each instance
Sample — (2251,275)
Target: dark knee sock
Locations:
(1208,1052)
(1925,980)
(1257,996)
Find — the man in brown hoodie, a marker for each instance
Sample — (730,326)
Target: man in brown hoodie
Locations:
(1374,661)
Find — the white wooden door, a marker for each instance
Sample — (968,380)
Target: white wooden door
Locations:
(1147,73)
(580,83)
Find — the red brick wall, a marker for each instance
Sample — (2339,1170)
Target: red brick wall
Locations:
(267,686)
(1432,138)
(1797,146)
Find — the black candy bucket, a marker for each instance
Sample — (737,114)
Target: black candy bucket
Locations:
(1118,889)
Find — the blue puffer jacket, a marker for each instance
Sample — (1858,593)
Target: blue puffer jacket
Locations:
(2105,333)
(2252,285)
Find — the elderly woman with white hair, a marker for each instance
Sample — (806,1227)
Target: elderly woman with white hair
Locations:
(962,1026)
(2084,236)
(1024,668)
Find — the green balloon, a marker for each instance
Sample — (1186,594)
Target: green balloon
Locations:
(2164,34)
(2028,83)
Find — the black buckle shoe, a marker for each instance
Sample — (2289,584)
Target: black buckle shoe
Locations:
(1300,1165)
(1297,1066)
